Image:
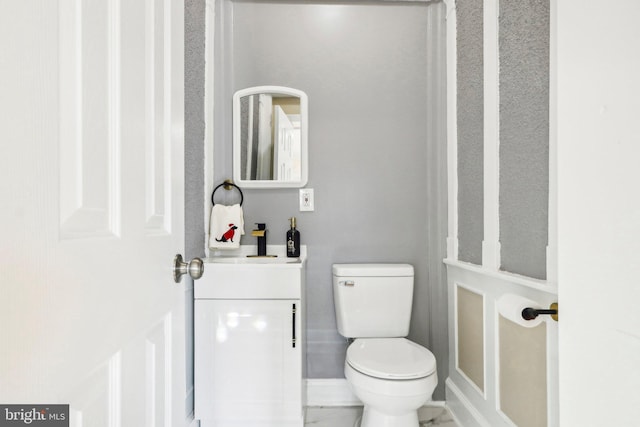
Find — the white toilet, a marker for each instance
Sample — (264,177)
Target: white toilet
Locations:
(391,375)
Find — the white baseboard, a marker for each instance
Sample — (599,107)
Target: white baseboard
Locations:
(330,392)
(336,392)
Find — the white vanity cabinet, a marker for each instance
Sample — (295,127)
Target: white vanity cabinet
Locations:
(249,353)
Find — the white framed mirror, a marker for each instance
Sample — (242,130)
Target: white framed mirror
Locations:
(270,137)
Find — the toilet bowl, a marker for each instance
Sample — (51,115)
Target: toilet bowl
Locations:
(393,377)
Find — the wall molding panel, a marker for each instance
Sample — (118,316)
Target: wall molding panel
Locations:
(473,352)
(522,355)
(463,396)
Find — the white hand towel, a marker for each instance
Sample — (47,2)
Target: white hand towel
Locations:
(225,227)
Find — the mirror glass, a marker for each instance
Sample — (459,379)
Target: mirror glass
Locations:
(270,137)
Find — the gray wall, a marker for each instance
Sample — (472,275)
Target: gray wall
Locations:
(194,54)
(374,161)
(470,117)
(524,134)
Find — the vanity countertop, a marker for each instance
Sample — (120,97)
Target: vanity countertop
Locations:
(246,255)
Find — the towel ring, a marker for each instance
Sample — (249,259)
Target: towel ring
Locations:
(227,186)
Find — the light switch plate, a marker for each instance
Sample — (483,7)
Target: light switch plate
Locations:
(306,199)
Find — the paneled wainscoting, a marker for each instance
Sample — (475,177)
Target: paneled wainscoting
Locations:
(501,374)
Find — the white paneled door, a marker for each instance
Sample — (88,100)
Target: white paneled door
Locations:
(91,130)
(598,123)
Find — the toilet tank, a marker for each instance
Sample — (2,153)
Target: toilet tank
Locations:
(373,300)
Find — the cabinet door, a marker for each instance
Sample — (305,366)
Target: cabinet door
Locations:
(248,366)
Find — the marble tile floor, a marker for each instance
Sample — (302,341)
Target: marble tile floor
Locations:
(337,416)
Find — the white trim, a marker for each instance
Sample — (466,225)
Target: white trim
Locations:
(553,385)
(452,131)
(330,392)
(336,392)
(552,246)
(304,137)
(538,285)
(490,248)
(463,412)
(490,243)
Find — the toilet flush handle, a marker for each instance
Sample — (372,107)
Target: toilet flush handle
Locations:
(348,283)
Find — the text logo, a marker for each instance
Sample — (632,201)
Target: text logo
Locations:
(34,415)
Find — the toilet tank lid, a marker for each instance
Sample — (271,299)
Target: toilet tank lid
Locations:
(372,270)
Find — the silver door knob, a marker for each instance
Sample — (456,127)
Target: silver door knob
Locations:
(195,268)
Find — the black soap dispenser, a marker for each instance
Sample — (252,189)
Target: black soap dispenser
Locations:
(293,240)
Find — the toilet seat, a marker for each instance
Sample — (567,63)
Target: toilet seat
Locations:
(390,358)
